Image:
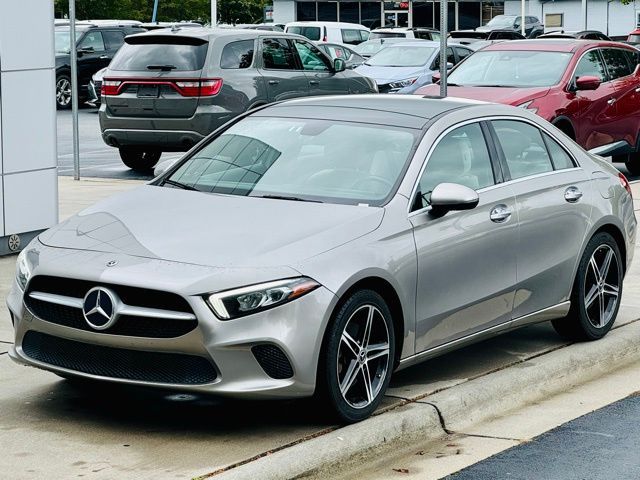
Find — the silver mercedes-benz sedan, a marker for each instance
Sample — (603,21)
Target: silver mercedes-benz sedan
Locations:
(313,247)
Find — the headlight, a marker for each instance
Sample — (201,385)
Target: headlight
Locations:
(23,270)
(527,106)
(255,298)
(403,83)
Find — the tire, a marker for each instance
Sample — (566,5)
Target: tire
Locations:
(595,298)
(139,159)
(344,361)
(63,92)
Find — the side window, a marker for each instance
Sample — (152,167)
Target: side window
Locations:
(277,54)
(311,57)
(450,59)
(462,53)
(616,61)
(559,156)
(93,40)
(633,59)
(524,150)
(461,157)
(364,35)
(351,37)
(590,65)
(237,54)
(113,39)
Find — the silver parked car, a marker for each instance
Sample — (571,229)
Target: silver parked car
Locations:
(168,89)
(317,245)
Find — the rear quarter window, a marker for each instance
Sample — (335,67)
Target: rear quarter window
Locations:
(145,52)
(237,54)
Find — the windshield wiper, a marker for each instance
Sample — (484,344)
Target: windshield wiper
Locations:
(164,68)
(183,186)
(285,197)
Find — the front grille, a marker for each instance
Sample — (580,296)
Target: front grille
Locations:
(126,325)
(155,367)
(273,361)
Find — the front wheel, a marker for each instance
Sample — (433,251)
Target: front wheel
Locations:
(358,357)
(597,289)
(63,92)
(140,159)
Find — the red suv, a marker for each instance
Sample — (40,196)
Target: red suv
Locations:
(588,89)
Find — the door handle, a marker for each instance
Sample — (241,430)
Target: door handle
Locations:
(637,90)
(314,82)
(611,101)
(500,213)
(572,194)
(274,82)
(104,57)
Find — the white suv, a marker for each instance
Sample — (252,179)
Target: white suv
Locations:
(331,32)
(405,32)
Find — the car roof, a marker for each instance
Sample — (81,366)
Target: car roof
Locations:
(395,110)
(211,33)
(320,23)
(551,44)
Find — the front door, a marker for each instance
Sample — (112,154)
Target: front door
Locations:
(322,78)
(466,259)
(281,70)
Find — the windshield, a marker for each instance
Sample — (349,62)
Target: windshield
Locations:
(634,38)
(368,48)
(402,56)
(312,33)
(502,21)
(511,69)
(301,159)
(63,41)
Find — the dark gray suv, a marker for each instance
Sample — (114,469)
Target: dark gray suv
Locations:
(166,90)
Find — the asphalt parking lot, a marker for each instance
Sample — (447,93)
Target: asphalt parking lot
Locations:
(98,160)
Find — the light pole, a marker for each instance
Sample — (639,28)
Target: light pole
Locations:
(74,89)
(584,14)
(214,13)
(443,48)
(522,19)
(154,17)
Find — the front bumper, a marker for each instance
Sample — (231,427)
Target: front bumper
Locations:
(295,328)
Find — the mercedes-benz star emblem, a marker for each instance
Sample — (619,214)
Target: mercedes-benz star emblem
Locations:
(99,308)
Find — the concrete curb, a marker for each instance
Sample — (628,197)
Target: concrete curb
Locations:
(455,408)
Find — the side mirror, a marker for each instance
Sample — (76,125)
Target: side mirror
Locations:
(162,167)
(85,50)
(449,65)
(453,196)
(588,82)
(435,77)
(339,65)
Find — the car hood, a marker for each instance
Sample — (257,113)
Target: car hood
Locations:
(212,230)
(384,75)
(504,95)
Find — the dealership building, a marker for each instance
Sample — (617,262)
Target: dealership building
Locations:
(608,16)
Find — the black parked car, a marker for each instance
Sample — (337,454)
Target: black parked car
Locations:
(97,42)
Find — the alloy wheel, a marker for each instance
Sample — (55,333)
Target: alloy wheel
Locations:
(363,356)
(602,286)
(63,92)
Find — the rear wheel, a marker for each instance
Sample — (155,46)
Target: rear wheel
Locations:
(63,92)
(358,357)
(140,159)
(597,289)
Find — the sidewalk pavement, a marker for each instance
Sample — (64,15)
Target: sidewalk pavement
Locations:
(50,428)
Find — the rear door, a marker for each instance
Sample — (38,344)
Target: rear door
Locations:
(113,40)
(280,67)
(158,76)
(318,68)
(554,207)
(92,56)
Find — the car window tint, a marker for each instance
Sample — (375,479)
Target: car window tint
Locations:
(113,39)
(463,53)
(616,61)
(460,157)
(351,37)
(633,58)
(237,54)
(311,57)
(561,159)
(524,150)
(590,65)
(364,35)
(93,40)
(277,54)
(450,59)
(312,33)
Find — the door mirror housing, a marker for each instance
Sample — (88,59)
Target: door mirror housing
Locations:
(588,82)
(453,196)
(449,65)
(163,167)
(435,77)
(85,50)
(339,65)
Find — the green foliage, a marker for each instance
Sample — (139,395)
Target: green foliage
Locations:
(229,11)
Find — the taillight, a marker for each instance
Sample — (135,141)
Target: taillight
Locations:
(200,88)
(110,87)
(625,183)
